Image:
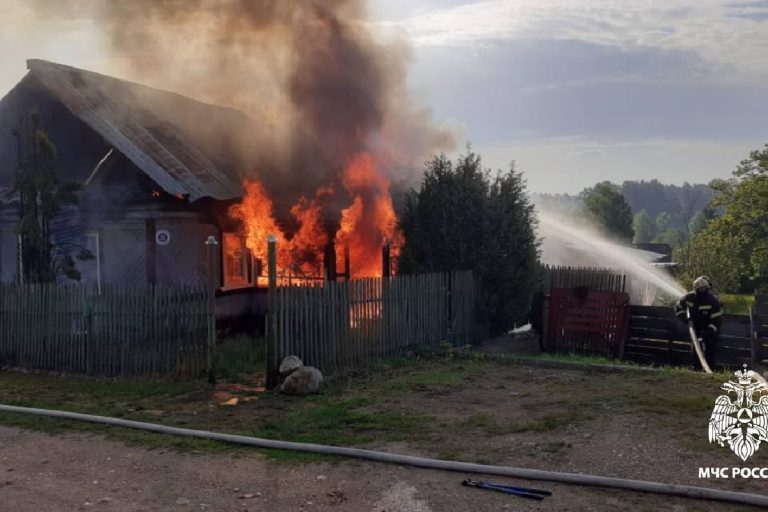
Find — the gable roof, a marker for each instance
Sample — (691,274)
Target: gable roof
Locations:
(175,140)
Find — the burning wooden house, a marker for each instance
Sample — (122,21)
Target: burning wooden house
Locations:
(159,177)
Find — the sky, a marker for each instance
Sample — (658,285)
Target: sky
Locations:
(573,91)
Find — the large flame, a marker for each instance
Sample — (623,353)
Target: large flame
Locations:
(256,212)
(307,245)
(370,220)
(366,225)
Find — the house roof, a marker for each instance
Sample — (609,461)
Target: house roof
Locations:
(175,140)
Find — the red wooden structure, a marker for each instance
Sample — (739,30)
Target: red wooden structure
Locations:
(587,321)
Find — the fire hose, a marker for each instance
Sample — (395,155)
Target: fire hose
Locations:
(686,491)
(697,344)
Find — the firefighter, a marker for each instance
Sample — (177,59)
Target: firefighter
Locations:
(706,313)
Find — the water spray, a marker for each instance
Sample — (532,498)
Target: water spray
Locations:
(594,249)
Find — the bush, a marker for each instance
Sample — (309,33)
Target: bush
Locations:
(464,218)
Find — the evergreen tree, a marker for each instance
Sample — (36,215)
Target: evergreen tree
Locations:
(463,218)
(41,196)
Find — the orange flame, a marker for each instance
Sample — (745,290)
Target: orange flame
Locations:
(365,225)
(370,220)
(256,212)
(307,245)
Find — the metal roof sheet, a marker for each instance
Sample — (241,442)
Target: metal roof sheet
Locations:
(124,114)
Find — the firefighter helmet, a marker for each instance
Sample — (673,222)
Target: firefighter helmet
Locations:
(702,283)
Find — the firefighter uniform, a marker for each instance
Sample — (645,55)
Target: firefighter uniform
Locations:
(706,313)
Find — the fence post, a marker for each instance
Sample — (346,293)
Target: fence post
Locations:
(211,244)
(386,259)
(272,362)
(347,266)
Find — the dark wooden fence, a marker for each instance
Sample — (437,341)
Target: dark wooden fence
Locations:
(657,337)
(760,321)
(341,325)
(594,278)
(654,335)
(112,332)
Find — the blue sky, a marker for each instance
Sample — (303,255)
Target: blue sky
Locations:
(579,91)
(574,91)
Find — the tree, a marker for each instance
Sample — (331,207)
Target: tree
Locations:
(41,197)
(736,243)
(606,207)
(755,166)
(667,233)
(443,221)
(700,221)
(463,218)
(644,227)
(681,202)
(710,253)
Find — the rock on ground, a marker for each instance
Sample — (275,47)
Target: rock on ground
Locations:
(289,365)
(304,381)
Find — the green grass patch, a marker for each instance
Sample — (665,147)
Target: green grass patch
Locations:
(342,423)
(432,379)
(491,425)
(239,356)
(737,304)
(555,357)
(90,396)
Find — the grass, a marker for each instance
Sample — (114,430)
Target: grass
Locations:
(736,304)
(490,425)
(349,413)
(451,406)
(238,356)
(576,358)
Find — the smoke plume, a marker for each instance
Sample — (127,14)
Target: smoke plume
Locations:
(312,73)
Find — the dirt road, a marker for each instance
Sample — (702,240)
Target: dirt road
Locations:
(79,472)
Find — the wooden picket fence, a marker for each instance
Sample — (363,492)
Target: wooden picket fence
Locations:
(603,279)
(117,331)
(341,325)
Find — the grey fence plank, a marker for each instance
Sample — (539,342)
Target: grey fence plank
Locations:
(340,325)
(122,331)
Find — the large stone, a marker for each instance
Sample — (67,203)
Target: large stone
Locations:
(304,381)
(289,365)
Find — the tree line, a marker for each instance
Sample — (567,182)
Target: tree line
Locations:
(638,211)
(719,229)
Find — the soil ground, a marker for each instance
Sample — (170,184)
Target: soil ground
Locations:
(639,425)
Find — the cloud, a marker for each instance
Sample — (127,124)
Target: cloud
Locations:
(727,36)
(534,88)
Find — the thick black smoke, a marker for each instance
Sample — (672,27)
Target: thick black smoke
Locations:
(318,83)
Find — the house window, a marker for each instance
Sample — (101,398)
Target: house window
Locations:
(238,262)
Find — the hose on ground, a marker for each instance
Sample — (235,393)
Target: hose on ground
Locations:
(407,460)
(697,346)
